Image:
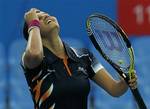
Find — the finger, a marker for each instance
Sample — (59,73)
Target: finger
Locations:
(38,11)
(134,85)
(27,13)
(41,13)
(132,80)
(33,9)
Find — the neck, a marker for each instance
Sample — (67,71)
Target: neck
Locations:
(55,45)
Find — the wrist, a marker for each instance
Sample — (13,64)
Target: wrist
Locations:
(123,83)
(31,28)
(33,24)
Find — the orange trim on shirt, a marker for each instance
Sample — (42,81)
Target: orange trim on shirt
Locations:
(66,66)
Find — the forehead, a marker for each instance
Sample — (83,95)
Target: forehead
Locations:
(41,12)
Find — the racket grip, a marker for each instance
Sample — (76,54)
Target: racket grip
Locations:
(138,98)
(135,92)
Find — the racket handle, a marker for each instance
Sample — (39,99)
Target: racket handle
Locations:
(135,92)
(138,98)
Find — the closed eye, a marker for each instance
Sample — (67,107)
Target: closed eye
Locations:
(45,17)
(38,11)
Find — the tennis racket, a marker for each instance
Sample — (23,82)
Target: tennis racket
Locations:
(112,43)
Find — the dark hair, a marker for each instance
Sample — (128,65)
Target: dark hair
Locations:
(25,31)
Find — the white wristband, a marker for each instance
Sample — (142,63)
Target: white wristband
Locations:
(32,27)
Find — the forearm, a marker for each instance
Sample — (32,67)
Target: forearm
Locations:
(33,55)
(34,45)
(113,87)
(34,50)
(120,88)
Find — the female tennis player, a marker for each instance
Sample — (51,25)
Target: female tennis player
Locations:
(57,74)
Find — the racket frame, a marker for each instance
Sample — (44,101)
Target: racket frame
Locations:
(126,76)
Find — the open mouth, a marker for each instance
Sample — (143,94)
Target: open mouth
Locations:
(48,21)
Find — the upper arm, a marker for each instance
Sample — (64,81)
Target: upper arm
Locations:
(32,74)
(31,61)
(94,65)
(100,76)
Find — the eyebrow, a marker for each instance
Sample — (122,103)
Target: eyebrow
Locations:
(41,12)
(38,11)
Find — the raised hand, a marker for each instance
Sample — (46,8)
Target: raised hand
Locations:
(31,15)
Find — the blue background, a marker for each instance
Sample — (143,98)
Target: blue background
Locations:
(71,15)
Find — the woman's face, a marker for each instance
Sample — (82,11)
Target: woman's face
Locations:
(48,23)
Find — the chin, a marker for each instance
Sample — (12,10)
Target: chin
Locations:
(50,28)
(53,28)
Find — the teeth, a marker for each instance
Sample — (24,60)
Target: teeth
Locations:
(48,21)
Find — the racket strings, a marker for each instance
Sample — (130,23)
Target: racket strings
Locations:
(115,53)
(124,47)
